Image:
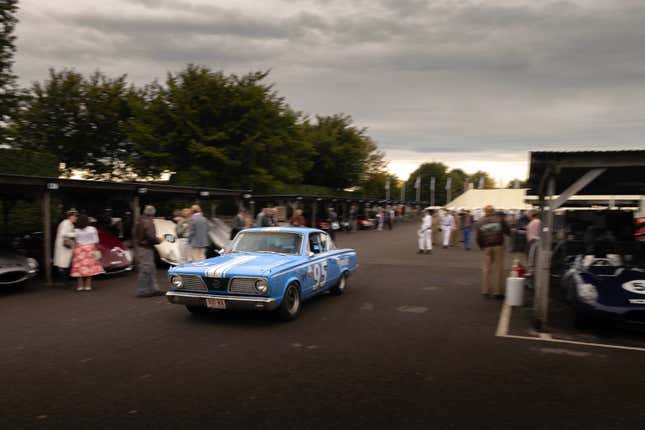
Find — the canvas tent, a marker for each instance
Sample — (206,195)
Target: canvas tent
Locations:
(502,198)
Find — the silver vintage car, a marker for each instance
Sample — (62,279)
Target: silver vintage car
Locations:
(16,269)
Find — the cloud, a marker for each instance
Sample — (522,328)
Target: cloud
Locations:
(441,76)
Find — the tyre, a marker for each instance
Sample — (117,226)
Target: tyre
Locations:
(291,303)
(197,310)
(581,319)
(340,287)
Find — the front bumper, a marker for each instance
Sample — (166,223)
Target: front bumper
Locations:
(232,302)
(15,277)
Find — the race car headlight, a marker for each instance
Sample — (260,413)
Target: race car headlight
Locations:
(176,281)
(262,286)
(587,293)
(33,264)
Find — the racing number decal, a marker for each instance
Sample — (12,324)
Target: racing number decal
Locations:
(320,276)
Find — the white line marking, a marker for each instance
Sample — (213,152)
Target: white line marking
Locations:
(546,336)
(504,320)
(412,309)
(573,342)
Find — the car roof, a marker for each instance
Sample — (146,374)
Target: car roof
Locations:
(299,230)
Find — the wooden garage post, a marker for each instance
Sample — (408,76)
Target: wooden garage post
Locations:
(47,234)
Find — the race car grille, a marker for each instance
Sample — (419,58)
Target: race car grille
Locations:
(216,283)
(193,282)
(243,286)
(10,277)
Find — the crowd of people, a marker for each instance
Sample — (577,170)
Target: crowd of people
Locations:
(490,230)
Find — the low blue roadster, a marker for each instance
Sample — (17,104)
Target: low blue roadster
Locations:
(272,268)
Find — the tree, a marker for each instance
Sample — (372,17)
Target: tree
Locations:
(475,178)
(427,171)
(8,90)
(344,154)
(81,121)
(374,185)
(208,128)
(522,183)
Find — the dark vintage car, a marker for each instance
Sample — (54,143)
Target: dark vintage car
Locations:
(601,268)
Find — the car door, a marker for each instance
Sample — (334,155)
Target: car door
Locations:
(331,261)
(317,268)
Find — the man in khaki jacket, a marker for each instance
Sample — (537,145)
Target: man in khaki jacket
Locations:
(490,231)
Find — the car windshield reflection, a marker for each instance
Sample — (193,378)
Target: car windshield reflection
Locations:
(268,242)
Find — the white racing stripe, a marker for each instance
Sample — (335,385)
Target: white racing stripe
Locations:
(219,270)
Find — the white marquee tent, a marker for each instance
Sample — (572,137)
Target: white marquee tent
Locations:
(502,198)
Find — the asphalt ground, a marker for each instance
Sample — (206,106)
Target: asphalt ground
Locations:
(411,344)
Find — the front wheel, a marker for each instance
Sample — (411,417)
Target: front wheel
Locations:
(291,303)
(340,287)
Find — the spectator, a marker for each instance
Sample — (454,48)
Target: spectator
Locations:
(353,218)
(380,219)
(332,220)
(146,238)
(298,220)
(491,229)
(239,222)
(425,233)
(182,230)
(264,218)
(467,225)
(85,262)
(532,240)
(198,234)
(64,244)
(447,226)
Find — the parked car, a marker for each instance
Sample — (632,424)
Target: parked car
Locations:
(609,288)
(273,269)
(169,251)
(16,269)
(115,257)
(364,223)
(601,268)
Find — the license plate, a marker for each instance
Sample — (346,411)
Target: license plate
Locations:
(216,303)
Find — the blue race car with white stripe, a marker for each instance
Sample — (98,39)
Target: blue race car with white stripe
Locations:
(272,268)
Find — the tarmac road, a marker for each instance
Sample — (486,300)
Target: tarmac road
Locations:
(410,345)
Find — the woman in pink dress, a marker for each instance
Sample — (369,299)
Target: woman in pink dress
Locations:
(85,262)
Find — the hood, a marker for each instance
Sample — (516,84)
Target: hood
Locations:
(238,264)
(11,259)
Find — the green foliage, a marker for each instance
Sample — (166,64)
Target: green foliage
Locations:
(428,170)
(488,181)
(374,186)
(8,91)
(344,154)
(79,119)
(29,163)
(218,130)
(522,183)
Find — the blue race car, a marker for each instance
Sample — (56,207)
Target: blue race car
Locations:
(605,288)
(270,268)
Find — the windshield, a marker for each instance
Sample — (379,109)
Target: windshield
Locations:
(274,242)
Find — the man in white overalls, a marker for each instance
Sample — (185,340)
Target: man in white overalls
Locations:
(447,226)
(425,233)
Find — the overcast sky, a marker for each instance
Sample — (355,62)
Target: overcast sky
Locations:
(473,83)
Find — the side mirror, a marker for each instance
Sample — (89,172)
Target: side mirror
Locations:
(311,254)
(169,238)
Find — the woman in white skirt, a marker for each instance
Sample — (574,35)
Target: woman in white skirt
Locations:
(85,262)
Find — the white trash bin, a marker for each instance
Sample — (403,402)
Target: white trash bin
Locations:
(515,291)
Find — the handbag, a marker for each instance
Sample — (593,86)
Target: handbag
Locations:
(97,255)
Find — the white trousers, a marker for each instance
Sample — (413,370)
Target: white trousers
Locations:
(425,241)
(446,233)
